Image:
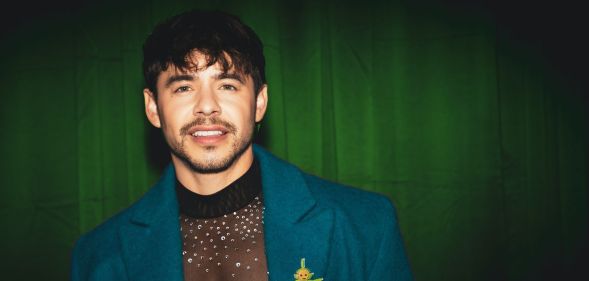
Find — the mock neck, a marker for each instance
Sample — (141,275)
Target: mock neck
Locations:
(231,198)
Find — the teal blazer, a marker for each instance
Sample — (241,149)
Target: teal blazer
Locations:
(342,233)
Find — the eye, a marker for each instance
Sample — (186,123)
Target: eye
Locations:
(182,89)
(228,87)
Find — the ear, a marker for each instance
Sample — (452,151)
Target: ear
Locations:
(261,103)
(151,108)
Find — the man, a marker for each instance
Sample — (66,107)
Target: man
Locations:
(226,209)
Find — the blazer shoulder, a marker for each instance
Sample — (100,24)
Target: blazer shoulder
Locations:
(351,201)
(370,219)
(106,229)
(98,251)
(103,233)
(102,240)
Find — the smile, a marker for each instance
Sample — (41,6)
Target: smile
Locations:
(207,133)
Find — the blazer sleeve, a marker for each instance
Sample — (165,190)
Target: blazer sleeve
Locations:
(391,261)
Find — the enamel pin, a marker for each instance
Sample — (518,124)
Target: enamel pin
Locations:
(304,274)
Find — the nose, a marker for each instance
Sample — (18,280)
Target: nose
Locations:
(207,103)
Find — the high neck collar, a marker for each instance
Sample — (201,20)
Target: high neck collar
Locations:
(229,199)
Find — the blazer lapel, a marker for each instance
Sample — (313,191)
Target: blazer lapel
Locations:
(294,226)
(151,240)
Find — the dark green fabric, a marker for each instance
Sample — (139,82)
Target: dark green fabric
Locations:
(480,144)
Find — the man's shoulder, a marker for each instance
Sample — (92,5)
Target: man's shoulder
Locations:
(103,237)
(111,225)
(352,202)
(368,218)
(98,251)
(98,247)
(158,197)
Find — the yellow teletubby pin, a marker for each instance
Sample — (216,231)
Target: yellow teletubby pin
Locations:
(304,274)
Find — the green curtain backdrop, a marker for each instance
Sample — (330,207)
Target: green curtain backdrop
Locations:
(480,144)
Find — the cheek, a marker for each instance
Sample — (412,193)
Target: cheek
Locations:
(173,118)
(242,114)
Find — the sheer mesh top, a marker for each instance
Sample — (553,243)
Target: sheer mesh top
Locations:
(223,233)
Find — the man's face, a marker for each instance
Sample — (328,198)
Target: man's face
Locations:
(207,116)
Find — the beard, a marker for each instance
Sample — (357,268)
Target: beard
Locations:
(213,165)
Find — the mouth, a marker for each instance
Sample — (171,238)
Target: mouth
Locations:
(208,135)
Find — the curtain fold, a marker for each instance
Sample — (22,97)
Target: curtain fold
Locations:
(480,144)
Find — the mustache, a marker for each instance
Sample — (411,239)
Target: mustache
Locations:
(208,121)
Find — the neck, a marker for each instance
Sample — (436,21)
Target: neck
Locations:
(209,183)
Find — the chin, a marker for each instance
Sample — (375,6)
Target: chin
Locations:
(214,160)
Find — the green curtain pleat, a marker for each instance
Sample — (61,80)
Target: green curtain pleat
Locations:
(481,145)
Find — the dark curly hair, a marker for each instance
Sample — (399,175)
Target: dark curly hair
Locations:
(222,38)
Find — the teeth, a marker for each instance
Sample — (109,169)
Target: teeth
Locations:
(207,133)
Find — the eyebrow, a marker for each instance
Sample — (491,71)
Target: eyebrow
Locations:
(234,76)
(177,78)
(187,77)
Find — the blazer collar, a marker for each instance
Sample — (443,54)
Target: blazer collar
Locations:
(294,227)
(151,242)
(286,195)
